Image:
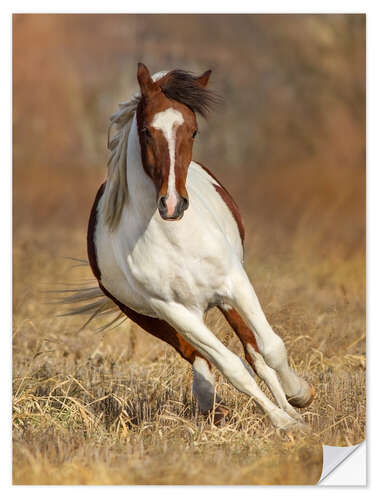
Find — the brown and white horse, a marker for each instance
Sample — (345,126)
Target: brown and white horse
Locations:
(165,242)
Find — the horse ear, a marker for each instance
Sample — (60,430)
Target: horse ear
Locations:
(147,85)
(203,79)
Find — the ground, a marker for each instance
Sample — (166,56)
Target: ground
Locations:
(117,407)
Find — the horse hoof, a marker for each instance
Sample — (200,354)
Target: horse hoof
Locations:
(295,429)
(301,401)
(281,420)
(292,413)
(291,426)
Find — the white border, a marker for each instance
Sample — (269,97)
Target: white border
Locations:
(193,6)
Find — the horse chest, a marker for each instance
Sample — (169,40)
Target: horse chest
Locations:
(181,267)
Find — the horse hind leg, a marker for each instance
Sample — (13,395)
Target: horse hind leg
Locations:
(267,343)
(209,403)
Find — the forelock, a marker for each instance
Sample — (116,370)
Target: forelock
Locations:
(182,86)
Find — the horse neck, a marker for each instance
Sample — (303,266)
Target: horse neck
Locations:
(141,190)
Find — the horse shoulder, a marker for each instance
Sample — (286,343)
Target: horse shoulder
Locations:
(228,200)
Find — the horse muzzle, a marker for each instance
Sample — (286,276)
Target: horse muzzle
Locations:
(172,208)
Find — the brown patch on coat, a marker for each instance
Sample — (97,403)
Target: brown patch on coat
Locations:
(243,332)
(228,200)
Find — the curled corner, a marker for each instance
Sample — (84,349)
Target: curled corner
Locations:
(333,456)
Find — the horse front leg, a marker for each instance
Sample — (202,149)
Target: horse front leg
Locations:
(191,326)
(272,348)
(256,360)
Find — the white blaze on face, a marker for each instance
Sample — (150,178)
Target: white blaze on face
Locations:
(168,121)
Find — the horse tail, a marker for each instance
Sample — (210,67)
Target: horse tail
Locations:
(87,299)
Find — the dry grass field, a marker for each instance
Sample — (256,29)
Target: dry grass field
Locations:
(289,144)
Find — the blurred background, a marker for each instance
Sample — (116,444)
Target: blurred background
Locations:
(288,142)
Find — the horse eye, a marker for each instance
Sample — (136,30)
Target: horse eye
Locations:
(146,131)
(195,134)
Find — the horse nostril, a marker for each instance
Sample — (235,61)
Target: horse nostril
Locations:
(185,203)
(162,203)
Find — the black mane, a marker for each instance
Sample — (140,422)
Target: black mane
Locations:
(182,86)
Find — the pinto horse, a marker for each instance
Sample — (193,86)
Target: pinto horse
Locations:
(165,243)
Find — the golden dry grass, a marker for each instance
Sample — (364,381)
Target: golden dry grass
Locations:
(117,408)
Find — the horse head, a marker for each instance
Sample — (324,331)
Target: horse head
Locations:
(167,126)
